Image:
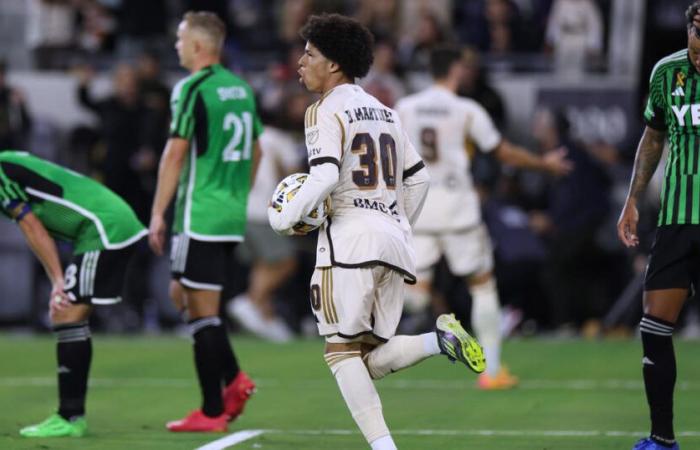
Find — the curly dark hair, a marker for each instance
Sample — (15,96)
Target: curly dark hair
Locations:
(690,13)
(343,40)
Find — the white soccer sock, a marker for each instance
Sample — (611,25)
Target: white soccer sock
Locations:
(486,321)
(360,394)
(383,443)
(401,352)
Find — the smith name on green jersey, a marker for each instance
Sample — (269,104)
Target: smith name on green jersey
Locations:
(674,107)
(214,110)
(71,206)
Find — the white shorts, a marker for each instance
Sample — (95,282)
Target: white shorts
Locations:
(467,252)
(357,305)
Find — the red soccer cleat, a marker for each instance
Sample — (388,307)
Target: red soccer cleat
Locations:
(236,394)
(196,421)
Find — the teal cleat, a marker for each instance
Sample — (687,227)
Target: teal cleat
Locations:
(56,426)
(457,344)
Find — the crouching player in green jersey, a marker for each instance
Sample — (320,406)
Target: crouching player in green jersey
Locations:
(50,202)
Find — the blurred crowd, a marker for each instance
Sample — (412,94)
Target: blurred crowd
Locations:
(559,266)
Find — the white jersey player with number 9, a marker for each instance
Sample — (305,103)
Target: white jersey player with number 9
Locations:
(440,123)
(360,155)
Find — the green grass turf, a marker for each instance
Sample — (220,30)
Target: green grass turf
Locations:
(140,383)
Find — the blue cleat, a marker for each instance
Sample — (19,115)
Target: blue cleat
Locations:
(648,444)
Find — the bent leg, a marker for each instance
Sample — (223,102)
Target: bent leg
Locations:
(74,357)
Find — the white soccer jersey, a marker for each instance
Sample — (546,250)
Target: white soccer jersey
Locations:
(439,122)
(368,223)
(279,157)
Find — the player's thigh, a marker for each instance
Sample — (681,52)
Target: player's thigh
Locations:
(388,304)
(428,251)
(200,265)
(671,259)
(97,277)
(468,252)
(342,301)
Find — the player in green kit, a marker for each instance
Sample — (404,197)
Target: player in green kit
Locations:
(210,159)
(673,113)
(50,202)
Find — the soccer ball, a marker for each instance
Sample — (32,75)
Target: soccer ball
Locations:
(286,190)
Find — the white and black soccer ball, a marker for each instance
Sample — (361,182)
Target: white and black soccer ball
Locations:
(286,190)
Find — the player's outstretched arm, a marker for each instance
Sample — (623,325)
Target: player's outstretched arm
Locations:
(649,152)
(44,247)
(554,163)
(168,175)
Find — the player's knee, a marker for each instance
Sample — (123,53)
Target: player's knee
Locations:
(72,331)
(337,353)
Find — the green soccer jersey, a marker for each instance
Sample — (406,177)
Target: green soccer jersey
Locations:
(674,107)
(72,207)
(214,110)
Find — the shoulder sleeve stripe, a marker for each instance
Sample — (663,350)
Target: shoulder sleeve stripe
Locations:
(412,171)
(188,98)
(324,160)
(677,56)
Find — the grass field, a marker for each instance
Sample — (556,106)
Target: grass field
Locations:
(575,395)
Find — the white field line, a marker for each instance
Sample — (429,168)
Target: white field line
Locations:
(240,436)
(231,440)
(569,385)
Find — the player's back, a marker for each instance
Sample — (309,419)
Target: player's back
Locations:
(215,110)
(71,206)
(368,221)
(439,123)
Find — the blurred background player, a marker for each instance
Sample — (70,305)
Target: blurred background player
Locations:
(360,155)
(49,202)
(273,257)
(210,159)
(438,122)
(673,265)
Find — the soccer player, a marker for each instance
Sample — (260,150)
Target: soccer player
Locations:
(671,112)
(50,203)
(439,122)
(210,159)
(359,154)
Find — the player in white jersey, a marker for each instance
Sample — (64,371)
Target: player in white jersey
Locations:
(360,155)
(439,122)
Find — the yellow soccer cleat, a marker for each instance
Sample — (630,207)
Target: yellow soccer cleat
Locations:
(457,344)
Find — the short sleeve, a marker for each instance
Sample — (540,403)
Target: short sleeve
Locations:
(482,129)
(325,136)
(181,107)
(412,161)
(13,199)
(654,111)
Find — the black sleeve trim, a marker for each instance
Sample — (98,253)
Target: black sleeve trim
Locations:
(657,125)
(412,171)
(324,160)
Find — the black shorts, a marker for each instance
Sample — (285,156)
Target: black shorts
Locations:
(97,277)
(674,262)
(201,264)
